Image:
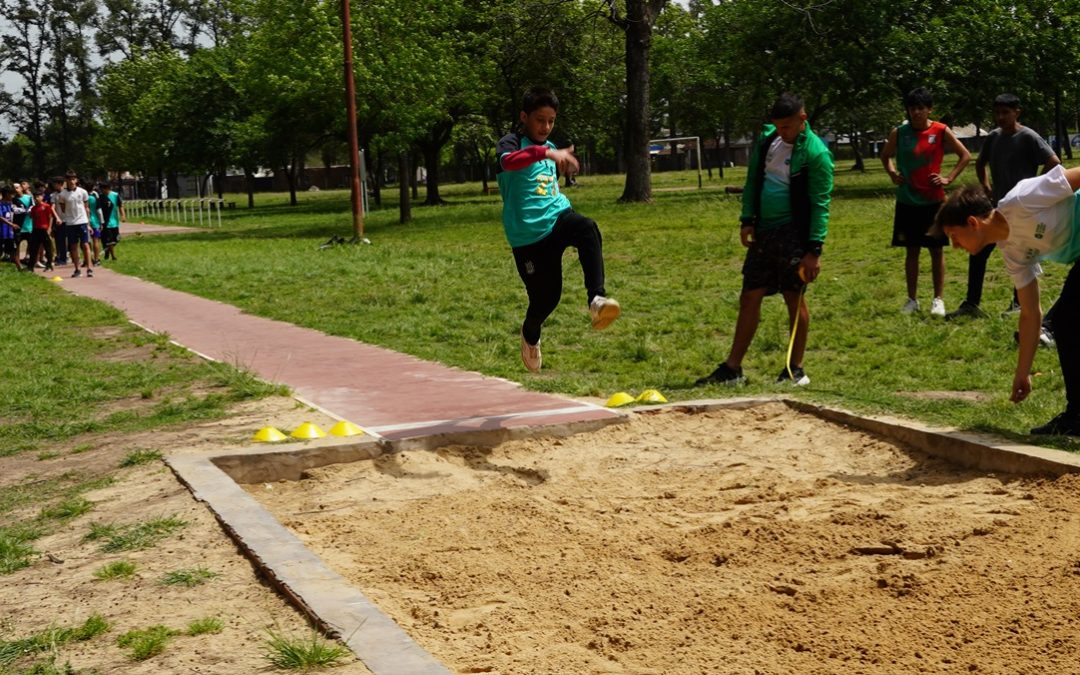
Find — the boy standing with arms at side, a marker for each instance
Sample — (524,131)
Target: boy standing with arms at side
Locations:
(1037,220)
(785,218)
(540,223)
(1013,152)
(112,212)
(44,220)
(73,205)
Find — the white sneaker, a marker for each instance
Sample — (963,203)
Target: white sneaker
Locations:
(530,355)
(937,307)
(603,311)
(912,305)
(1046,338)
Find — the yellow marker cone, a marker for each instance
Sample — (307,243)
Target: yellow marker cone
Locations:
(56,279)
(651,396)
(307,430)
(344,428)
(619,398)
(268,435)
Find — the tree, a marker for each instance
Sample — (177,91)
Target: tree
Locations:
(636,20)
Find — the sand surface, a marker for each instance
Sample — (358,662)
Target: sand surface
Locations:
(761,541)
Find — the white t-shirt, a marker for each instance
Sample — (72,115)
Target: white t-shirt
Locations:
(1042,226)
(72,206)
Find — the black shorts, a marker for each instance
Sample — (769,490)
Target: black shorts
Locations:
(110,235)
(7,247)
(77,234)
(910,223)
(772,261)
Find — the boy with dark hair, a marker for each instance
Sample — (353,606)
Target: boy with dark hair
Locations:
(919,147)
(72,204)
(1013,152)
(540,223)
(784,221)
(58,236)
(112,212)
(44,219)
(8,248)
(1037,220)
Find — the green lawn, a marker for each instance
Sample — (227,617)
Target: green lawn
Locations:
(444,287)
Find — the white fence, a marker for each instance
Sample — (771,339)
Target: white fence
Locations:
(183,211)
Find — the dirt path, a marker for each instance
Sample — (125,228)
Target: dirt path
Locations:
(729,542)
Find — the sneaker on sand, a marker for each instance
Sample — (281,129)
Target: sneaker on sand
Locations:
(966,309)
(1065,424)
(797,378)
(76,273)
(723,375)
(603,311)
(912,305)
(937,307)
(530,355)
(1013,308)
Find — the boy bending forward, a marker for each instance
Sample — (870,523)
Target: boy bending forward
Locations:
(1037,220)
(540,224)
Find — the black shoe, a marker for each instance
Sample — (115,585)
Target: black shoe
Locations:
(1065,424)
(966,309)
(723,375)
(797,377)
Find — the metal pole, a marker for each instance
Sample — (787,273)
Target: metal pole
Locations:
(350,107)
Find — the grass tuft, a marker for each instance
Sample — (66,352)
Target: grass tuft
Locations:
(134,537)
(188,577)
(139,457)
(68,509)
(146,642)
(120,569)
(298,652)
(209,624)
(50,638)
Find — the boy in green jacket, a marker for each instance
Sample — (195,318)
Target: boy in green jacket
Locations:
(785,218)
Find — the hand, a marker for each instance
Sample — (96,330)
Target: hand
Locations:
(937,180)
(809,267)
(1021,387)
(564,160)
(897,179)
(746,235)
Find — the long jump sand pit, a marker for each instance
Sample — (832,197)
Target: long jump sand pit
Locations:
(732,541)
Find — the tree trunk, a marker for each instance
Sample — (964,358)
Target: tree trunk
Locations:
(413,181)
(290,177)
(859,164)
(638,26)
(249,185)
(1060,130)
(375,174)
(431,145)
(404,202)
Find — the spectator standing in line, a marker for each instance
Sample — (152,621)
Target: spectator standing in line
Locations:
(919,147)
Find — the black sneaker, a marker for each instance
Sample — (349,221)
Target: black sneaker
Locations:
(1065,424)
(723,375)
(76,273)
(89,271)
(797,377)
(966,309)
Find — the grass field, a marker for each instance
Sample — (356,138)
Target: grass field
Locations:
(444,287)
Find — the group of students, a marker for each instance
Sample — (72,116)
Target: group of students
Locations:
(41,227)
(784,223)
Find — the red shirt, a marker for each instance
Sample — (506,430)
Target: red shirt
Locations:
(42,216)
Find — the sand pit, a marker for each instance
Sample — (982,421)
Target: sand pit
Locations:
(760,541)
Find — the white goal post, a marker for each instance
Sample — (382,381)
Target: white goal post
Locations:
(675,139)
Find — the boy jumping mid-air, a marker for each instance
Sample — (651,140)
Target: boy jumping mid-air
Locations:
(540,223)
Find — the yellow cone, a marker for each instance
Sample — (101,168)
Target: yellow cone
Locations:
(268,435)
(651,396)
(344,428)
(56,279)
(307,430)
(619,398)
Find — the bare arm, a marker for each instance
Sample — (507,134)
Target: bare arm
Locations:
(982,175)
(1073,176)
(1051,162)
(953,144)
(1030,325)
(887,154)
